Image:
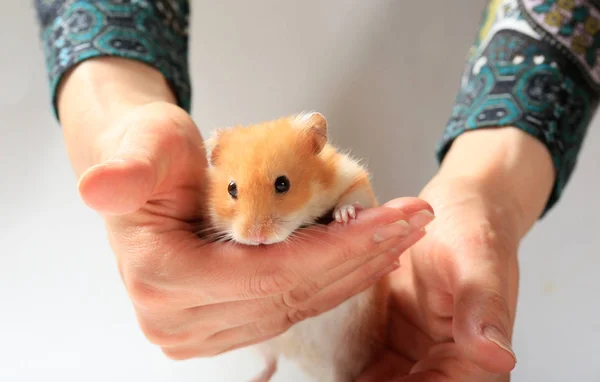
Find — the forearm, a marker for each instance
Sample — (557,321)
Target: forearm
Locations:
(508,163)
(527,77)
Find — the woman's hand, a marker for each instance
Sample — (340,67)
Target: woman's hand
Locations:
(454,297)
(141,164)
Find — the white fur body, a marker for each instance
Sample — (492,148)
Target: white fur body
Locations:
(329,347)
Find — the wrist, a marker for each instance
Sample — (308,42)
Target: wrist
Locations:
(509,165)
(96,94)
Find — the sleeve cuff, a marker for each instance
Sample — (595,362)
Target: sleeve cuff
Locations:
(525,82)
(152,32)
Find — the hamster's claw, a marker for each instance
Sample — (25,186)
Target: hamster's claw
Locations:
(343,214)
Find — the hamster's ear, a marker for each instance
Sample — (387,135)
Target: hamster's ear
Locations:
(211,145)
(315,125)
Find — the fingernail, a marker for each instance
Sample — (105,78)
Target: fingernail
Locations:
(494,335)
(397,229)
(389,269)
(420,219)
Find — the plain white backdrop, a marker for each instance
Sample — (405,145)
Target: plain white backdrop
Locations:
(383,72)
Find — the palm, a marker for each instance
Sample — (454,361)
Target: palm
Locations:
(431,337)
(420,350)
(153,195)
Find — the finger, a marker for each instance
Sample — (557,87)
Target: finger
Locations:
(234,314)
(201,350)
(145,151)
(387,367)
(416,214)
(332,253)
(185,272)
(239,322)
(445,362)
(357,281)
(409,332)
(482,316)
(228,340)
(281,316)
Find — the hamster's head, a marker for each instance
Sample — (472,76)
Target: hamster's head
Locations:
(263,179)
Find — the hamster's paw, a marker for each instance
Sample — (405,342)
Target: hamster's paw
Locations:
(343,213)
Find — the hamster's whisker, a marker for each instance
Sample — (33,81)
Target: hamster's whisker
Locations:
(217,236)
(326,232)
(298,239)
(306,237)
(206,229)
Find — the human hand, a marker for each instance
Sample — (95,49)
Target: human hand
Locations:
(142,169)
(454,297)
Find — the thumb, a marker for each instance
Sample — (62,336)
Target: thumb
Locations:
(142,154)
(483,320)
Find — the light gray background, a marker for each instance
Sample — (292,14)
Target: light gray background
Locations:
(385,74)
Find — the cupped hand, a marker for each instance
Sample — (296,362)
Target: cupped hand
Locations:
(454,297)
(196,298)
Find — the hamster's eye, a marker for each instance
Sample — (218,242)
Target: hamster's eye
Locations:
(282,184)
(232,189)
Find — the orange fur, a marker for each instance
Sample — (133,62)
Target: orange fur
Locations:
(321,178)
(253,157)
(362,182)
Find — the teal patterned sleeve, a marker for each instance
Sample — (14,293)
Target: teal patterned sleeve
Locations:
(533,66)
(151,31)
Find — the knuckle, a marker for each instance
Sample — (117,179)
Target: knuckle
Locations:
(179,354)
(268,328)
(301,294)
(282,325)
(272,327)
(297,315)
(144,294)
(160,336)
(142,275)
(276,282)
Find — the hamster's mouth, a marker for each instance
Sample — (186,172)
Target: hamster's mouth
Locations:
(224,236)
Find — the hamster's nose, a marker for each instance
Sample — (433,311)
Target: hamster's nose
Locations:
(260,239)
(258,235)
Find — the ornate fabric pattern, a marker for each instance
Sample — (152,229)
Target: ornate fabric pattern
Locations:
(515,77)
(153,32)
(573,23)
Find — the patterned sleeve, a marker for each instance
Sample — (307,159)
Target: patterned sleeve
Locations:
(533,66)
(151,31)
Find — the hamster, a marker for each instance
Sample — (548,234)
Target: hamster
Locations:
(267,180)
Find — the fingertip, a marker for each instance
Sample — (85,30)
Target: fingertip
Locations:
(482,342)
(489,355)
(397,209)
(494,335)
(409,205)
(117,187)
